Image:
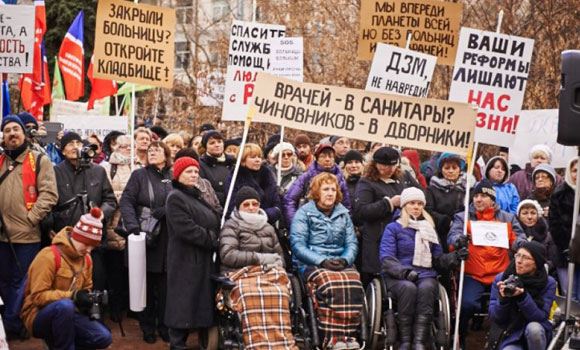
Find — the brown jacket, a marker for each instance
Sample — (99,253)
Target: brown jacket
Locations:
(46,285)
(20,224)
(118,182)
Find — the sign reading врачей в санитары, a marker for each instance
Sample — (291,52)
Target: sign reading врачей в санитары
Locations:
(491,70)
(135,43)
(16,38)
(432,27)
(404,121)
(249,53)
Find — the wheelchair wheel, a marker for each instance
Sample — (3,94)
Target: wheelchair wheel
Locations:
(209,339)
(442,325)
(299,318)
(374,310)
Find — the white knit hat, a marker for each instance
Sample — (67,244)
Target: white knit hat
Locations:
(283,146)
(541,148)
(531,202)
(412,194)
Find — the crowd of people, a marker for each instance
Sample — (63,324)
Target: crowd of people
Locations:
(336,216)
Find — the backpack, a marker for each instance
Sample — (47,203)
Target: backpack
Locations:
(58,258)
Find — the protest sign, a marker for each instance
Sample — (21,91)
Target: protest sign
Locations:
(249,53)
(210,88)
(16,38)
(287,58)
(432,27)
(64,107)
(539,126)
(135,43)
(491,70)
(397,120)
(490,234)
(88,125)
(400,71)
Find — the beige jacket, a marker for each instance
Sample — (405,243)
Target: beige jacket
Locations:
(20,224)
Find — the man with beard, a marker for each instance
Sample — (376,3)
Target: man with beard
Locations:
(28,187)
(304,149)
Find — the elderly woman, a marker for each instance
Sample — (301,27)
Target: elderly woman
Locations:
(410,252)
(255,174)
(324,247)
(544,177)
(175,143)
(536,228)
(252,256)
(377,198)
(521,311)
(193,237)
(146,191)
(289,170)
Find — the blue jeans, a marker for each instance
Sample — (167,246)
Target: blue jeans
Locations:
(535,338)
(65,329)
(12,280)
(563,278)
(471,302)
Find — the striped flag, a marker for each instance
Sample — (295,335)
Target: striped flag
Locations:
(34,87)
(99,87)
(71,60)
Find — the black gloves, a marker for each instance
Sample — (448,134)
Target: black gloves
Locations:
(158,213)
(412,276)
(462,254)
(215,242)
(336,264)
(81,299)
(461,242)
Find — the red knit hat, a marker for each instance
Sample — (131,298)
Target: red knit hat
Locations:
(89,229)
(181,164)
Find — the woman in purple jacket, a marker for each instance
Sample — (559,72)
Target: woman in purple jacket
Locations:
(410,252)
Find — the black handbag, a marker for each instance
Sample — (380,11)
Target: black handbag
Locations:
(147,223)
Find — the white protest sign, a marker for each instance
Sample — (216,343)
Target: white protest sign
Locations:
(287,58)
(16,38)
(491,70)
(400,71)
(539,126)
(249,53)
(210,88)
(490,234)
(64,107)
(100,125)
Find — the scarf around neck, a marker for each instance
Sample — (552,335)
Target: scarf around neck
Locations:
(533,284)
(257,220)
(424,235)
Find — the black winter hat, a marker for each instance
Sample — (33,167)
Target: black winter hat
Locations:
(236,142)
(485,187)
(538,252)
(206,127)
(244,193)
(68,138)
(353,155)
(159,131)
(387,156)
(212,133)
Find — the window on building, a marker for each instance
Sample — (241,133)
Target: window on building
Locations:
(184,11)
(182,54)
(221,9)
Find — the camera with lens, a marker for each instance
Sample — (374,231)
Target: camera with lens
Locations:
(510,285)
(86,155)
(98,300)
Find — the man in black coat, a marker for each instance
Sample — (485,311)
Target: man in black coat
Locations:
(82,184)
(215,165)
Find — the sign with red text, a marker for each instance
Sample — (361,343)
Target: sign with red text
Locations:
(16,38)
(400,71)
(404,121)
(491,71)
(249,53)
(432,27)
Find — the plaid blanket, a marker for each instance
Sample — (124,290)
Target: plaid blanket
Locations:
(262,299)
(339,301)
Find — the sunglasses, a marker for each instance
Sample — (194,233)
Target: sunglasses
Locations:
(249,204)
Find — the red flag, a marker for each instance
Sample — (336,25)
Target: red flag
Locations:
(99,87)
(71,60)
(34,87)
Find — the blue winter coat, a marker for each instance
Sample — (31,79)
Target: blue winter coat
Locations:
(315,237)
(397,250)
(299,189)
(506,193)
(502,313)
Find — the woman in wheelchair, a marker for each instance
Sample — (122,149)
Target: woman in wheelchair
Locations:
(410,252)
(521,299)
(324,247)
(252,257)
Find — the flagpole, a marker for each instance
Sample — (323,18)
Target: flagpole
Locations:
(132,122)
(2,95)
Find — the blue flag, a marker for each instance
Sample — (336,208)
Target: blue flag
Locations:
(5,99)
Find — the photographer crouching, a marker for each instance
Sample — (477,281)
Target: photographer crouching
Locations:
(521,299)
(59,306)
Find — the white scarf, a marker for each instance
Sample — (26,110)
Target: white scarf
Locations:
(424,236)
(257,220)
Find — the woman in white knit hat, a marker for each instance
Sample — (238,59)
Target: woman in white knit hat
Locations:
(410,255)
(522,179)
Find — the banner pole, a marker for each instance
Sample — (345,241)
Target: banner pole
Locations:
(279,170)
(2,95)
(574,226)
(499,21)
(408,41)
(470,165)
(132,127)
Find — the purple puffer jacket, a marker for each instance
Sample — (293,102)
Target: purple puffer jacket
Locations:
(299,189)
(522,179)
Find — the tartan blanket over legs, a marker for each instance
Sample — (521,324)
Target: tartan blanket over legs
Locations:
(262,299)
(340,299)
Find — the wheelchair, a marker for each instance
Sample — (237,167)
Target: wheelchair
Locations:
(382,318)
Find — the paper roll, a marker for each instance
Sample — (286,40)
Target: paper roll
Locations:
(137,272)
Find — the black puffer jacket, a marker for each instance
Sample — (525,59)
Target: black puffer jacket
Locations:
(560,218)
(216,171)
(136,196)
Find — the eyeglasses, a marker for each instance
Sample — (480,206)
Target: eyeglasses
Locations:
(287,154)
(542,176)
(124,146)
(523,257)
(248,204)
(155,150)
